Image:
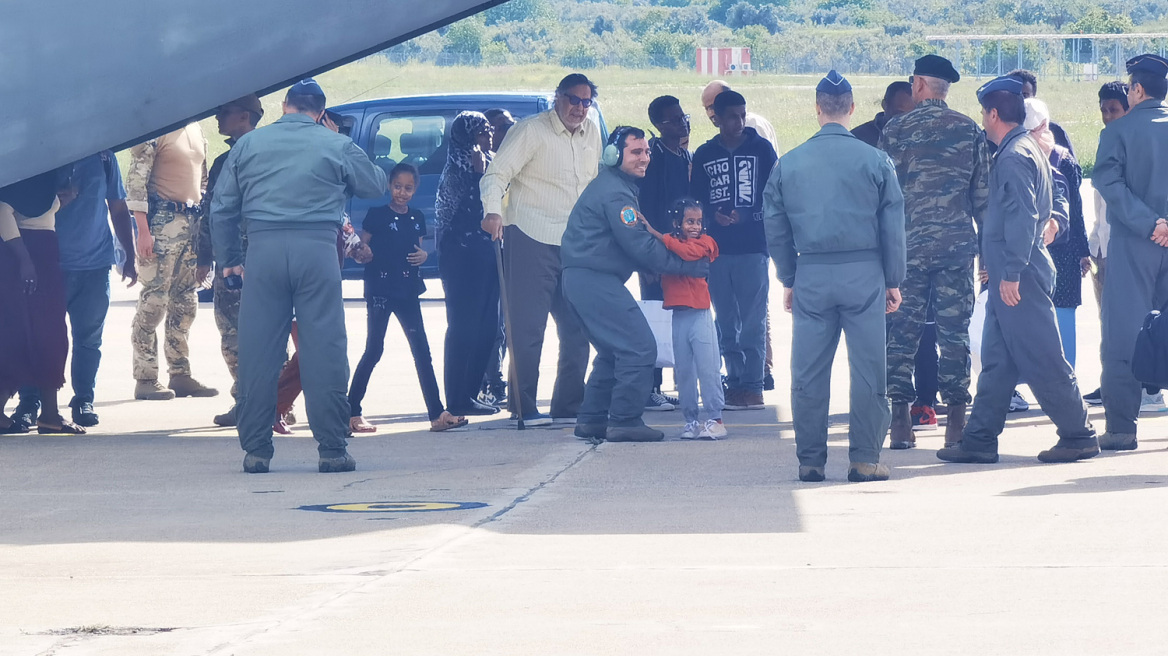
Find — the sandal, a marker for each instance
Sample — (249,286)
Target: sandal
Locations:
(66,428)
(447,421)
(359,425)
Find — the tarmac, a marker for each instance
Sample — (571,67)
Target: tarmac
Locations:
(146,538)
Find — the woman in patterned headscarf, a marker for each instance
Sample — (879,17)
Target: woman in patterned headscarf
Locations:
(466,264)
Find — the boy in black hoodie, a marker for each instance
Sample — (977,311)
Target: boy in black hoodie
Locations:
(730,172)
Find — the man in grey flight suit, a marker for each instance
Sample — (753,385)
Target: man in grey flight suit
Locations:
(1021,338)
(602,246)
(1130,172)
(287,184)
(834,217)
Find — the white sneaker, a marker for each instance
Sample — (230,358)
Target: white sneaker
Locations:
(690,432)
(1018,404)
(659,403)
(713,430)
(1152,402)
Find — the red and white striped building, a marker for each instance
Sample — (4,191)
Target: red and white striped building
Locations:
(722,62)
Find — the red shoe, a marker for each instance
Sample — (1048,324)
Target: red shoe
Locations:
(923,417)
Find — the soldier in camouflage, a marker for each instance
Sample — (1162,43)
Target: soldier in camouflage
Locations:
(942,162)
(163,187)
(234,119)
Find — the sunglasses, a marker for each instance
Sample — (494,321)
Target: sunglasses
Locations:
(684,119)
(577,101)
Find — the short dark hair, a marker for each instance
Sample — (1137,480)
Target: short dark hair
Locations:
(1011,107)
(1154,84)
(900,86)
(1114,90)
(575,80)
(305,102)
(834,104)
(494,113)
(621,133)
(659,105)
(1025,76)
(727,99)
(402,169)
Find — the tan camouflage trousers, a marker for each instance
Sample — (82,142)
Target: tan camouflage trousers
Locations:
(168,293)
(227,319)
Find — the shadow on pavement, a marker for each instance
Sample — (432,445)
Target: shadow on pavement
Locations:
(1093,485)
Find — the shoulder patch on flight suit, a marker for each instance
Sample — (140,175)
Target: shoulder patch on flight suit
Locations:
(628,216)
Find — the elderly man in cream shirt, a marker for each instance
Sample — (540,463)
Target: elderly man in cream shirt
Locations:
(542,167)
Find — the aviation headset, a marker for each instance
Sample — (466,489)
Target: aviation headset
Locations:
(614,152)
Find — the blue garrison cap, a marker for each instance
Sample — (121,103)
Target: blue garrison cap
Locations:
(1148,63)
(1007,83)
(307,87)
(833,84)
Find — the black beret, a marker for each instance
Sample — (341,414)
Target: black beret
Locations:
(938,67)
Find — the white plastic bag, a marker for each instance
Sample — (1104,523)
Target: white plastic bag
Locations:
(661,323)
(976,327)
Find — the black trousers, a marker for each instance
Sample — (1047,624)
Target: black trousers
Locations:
(409,315)
(471,283)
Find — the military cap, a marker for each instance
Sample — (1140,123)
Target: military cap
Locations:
(938,67)
(1006,83)
(833,84)
(250,102)
(307,87)
(1148,63)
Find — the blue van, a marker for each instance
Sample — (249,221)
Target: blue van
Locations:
(415,130)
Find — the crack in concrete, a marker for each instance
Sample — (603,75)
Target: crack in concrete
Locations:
(380,575)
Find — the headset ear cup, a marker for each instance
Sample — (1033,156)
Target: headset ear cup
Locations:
(611,156)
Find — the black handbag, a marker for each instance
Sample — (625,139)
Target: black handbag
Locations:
(1150,358)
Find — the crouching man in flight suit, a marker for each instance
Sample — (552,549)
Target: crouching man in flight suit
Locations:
(602,246)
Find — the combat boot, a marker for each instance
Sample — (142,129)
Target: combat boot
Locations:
(866,472)
(225,419)
(1118,442)
(954,424)
(901,432)
(640,433)
(151,390)
(591,433)
(253,464)
(184,385)
(344,463)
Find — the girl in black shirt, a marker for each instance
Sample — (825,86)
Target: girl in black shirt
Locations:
(393,283)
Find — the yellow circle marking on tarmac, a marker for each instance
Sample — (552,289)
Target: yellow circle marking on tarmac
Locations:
(394,506)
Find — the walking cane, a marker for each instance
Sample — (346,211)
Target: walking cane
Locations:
(505,305)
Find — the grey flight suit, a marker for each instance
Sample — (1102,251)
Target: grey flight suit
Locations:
(1022,342)
(834,218)
(599,253)
(1131,170)
(287,184)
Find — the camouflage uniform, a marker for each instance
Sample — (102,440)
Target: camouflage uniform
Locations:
(168,280)
(226,300)
(942,162)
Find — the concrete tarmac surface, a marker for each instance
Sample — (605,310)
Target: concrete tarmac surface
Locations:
(146,538)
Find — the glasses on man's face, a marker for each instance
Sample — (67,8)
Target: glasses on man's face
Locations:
(578,101)
(684,121)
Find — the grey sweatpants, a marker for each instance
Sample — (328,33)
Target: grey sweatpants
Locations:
(293,268)
(830,298)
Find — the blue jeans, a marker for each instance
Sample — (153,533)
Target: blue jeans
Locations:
(87,299)
(696,358)
(1066,326)
(738,289)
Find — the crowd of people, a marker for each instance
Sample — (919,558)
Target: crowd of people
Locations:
(882,232)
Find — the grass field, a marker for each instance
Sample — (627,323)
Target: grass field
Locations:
(786,100)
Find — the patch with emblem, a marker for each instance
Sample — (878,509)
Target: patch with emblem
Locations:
(628,216)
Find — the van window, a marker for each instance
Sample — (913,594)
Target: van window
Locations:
(417,139)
